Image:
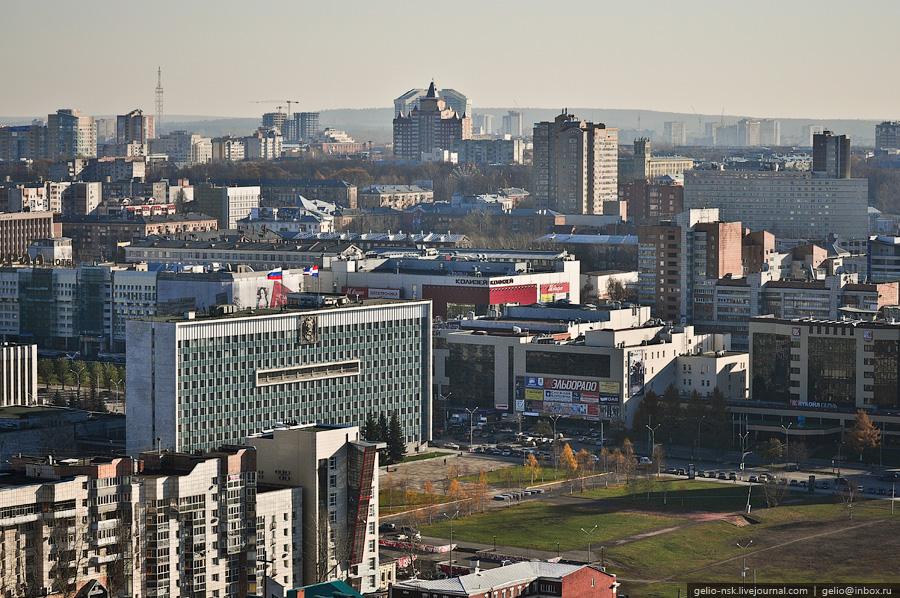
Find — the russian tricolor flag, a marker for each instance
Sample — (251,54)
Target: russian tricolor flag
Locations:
(275,274)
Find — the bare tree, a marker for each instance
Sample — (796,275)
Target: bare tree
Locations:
(774,491)
(847,497)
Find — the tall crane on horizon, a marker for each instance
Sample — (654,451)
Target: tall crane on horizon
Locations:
(288,102)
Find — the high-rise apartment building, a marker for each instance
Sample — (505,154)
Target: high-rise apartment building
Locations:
(227,204)
(808,132)
(183,147)
(456,101)
(209,380)
(164,525)
(831,155)
(674,133)
(429,126)
(575,165)
(25,142)
(134,127)
(513,123)
(309,125)
(71,135)
(274,120)
(676,259)
(887,135)
(337,471)
(792,205)
(769,132)
(485,123)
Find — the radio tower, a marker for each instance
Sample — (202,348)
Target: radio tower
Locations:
(159,101)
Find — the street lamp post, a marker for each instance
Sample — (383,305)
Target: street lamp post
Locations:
(840,445)
(266,562)
(651,438)
(471,413)
(786,440)
(589,542)
(699,421)
(555,445)
(451,518)
(443,398)
(744,560)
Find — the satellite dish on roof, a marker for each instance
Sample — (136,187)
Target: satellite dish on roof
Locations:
(765,267)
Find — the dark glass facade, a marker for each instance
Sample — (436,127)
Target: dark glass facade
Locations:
(472,377)
(771,367)
(832,371)
(558,363)
(887,365)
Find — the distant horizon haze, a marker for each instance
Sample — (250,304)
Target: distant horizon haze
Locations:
(820,60)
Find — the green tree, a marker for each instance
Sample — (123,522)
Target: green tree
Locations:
(79,371)
(46,373)
(772,450)
(370,428)
(543,427)
(396,443)
(382,430)
(62,371)
(863,436)
(648,413)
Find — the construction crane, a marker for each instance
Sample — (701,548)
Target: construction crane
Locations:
(699,123)
(288,102)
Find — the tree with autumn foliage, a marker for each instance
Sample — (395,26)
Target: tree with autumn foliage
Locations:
(568,462)
(863,437)
(533,466)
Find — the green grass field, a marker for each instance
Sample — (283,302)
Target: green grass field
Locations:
(540,526)
(656,547)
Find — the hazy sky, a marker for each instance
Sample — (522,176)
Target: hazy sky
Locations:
(817,59)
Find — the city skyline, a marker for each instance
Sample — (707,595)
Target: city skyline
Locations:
(719,57)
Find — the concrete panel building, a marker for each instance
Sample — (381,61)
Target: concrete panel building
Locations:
(793,205)
(334,362)
(18,230)
(575,165)
(337,472)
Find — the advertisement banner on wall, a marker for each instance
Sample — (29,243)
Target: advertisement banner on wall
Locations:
(635,372)
(533,394)
(609,388)
(566,409)
(520,406)
(371,293)
(554,292)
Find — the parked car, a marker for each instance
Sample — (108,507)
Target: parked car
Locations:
(434,443)
(644,461)
(672,470)
(723,475)
(682,471)
(387,527)
(795,483)
(882,491)
(753,479)
(452,446)
(732,476)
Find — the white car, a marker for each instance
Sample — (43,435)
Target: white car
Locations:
(452,446)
